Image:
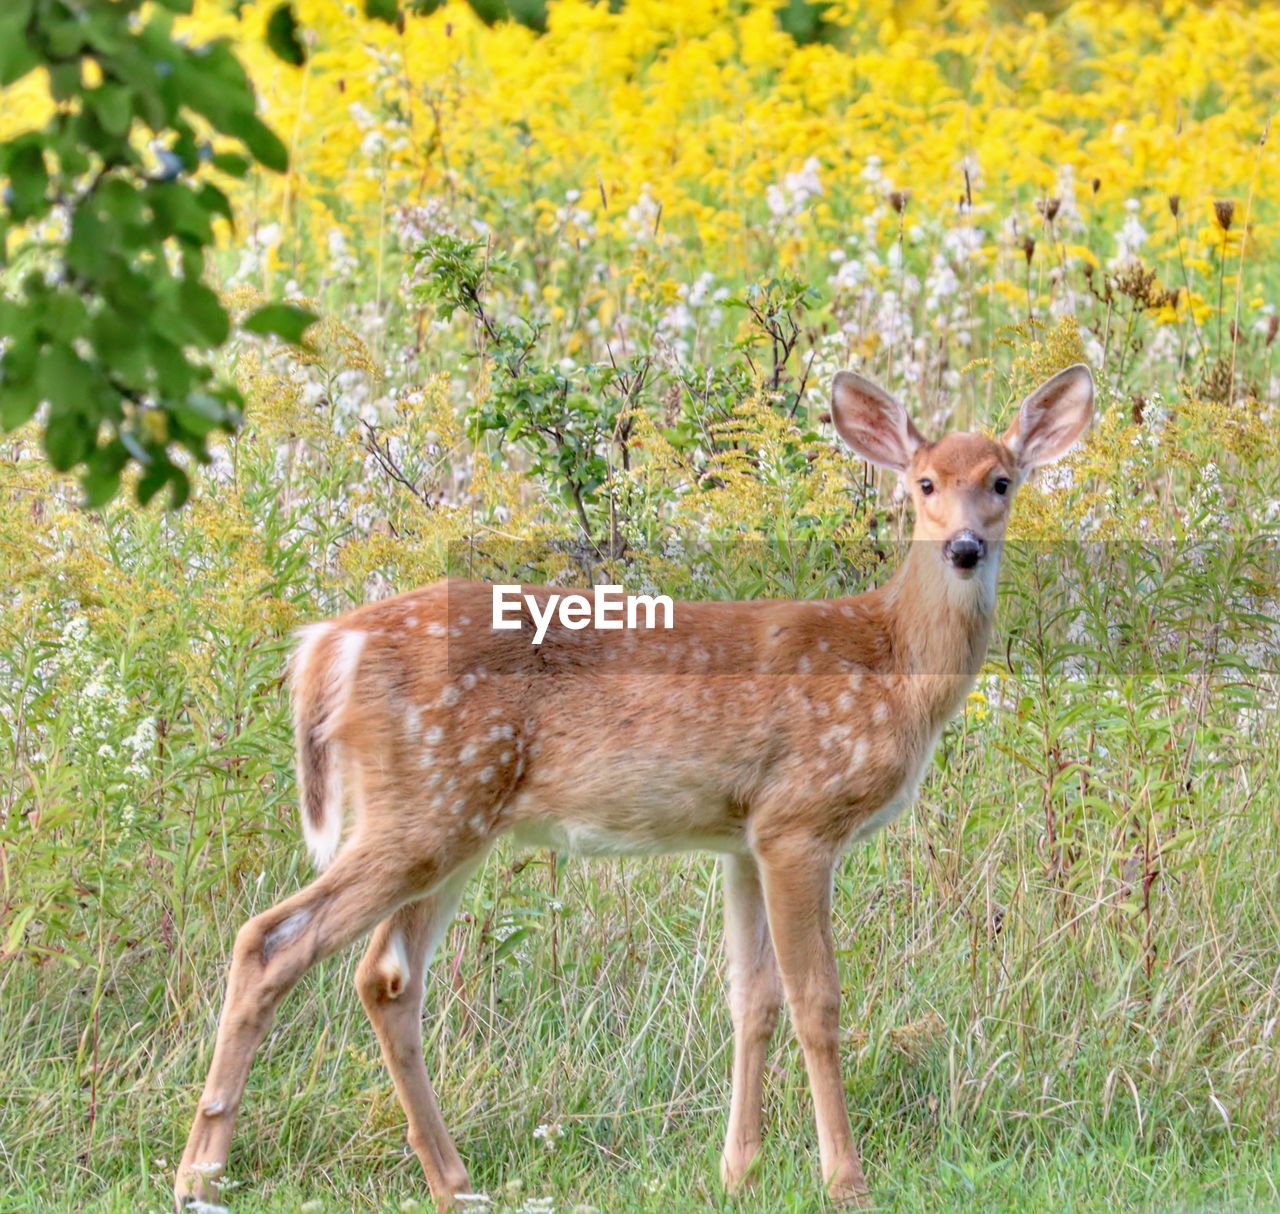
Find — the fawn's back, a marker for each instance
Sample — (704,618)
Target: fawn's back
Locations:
(711,734)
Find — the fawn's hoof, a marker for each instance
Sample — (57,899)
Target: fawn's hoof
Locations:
(738,1172)
(197,1184)
(849,1191)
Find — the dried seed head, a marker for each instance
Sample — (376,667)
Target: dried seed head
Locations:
(1273,327)
(1097,184)
(1175,201)
(1224,211)
(898,200)
(1049,207)
(1028,248)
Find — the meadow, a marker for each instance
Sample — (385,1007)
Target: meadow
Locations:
(581,296)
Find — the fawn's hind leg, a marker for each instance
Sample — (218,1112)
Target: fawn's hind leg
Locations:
(391,981)
(272,951)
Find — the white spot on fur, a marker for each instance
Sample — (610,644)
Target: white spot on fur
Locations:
(837,735)
(285,931)
(857,755)
(394,964)
(880,713)
(435,630)
(450,696)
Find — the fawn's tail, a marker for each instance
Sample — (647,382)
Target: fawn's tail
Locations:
(322,674)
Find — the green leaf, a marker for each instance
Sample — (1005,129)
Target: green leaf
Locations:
(204,312)
(215,202)
(489,11)
(263,143)
(382,10)
(530,13)
(18,401)
(174,374)
(230,163)
(511,943)
(113,104)
(101,480)
(282,35)
(17,57)
(14,18)
(286,321)
(153,480)
(65,315)
(178,211)
(181,490)
(68,439)
(28,179)
(64,78)
(200,413)
(65,379)
(18,928)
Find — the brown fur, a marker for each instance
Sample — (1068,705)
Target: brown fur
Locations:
(772,732)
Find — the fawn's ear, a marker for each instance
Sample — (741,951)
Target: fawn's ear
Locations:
(872,422)
(1052,419)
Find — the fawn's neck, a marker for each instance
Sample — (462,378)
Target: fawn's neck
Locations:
(940,623)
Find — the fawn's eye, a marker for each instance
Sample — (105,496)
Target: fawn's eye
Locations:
(1001,485)
(926,486)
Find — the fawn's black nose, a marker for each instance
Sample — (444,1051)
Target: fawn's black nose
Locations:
(965,549)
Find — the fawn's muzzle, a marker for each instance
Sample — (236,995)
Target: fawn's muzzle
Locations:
(965,549)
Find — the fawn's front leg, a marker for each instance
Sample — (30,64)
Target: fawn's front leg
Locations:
(755,995)
(797,888)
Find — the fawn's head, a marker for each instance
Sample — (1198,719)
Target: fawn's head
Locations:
(962,485)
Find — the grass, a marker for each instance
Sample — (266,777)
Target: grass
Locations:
(1061,972)
(1056,1075)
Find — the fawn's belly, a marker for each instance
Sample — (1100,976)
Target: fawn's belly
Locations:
(596,839)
